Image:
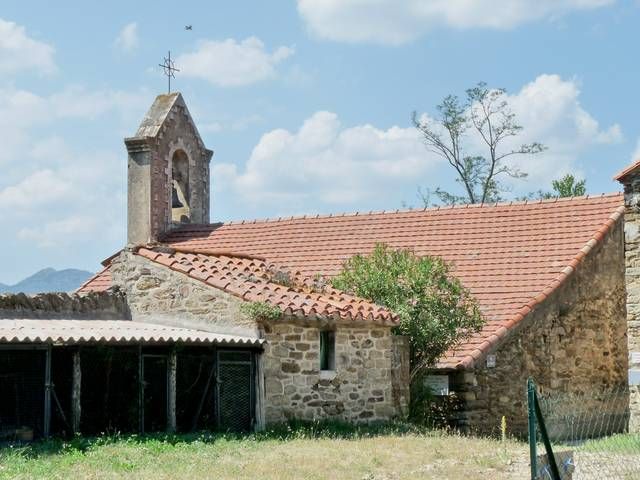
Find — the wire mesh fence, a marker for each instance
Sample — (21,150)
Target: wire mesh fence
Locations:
(589,434)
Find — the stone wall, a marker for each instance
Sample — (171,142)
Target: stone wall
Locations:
(574,342)
(149,170)
(632,261)
(370,381)
(157,294)
(94,306)
(360,388)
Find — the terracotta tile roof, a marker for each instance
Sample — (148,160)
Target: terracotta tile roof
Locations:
(100,282)
(254,280)
(63,331)
(631,168)
(511,256)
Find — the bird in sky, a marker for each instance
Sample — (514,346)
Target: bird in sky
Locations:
(188,27)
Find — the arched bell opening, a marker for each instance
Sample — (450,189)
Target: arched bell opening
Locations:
(180,194)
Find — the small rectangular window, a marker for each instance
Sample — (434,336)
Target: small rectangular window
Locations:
(327,350)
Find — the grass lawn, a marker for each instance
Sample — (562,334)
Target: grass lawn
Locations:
(386,452)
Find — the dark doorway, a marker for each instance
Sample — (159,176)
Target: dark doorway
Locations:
(155,392)
(22,379)
(195,392)
(235,390)
(109,392)
(61,384)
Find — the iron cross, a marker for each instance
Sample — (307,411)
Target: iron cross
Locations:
(168,69)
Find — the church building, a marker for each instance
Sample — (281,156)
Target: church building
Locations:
(197,324)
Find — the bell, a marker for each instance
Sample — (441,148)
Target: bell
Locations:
(175,201)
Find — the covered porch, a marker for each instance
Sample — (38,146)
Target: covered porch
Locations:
(63,377)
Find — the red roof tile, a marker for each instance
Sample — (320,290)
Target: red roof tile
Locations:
(511,256)
(620,175)
(100,282)
(252,279)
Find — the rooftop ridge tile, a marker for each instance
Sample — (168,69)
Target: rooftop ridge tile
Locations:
(405,210)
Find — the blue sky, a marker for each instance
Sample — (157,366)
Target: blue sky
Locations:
(306,103)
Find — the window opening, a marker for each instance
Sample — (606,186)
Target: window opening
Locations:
(327,350)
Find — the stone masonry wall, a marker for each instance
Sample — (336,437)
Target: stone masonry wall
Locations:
(94,306)
(149,171)
(632,261)
(370,379)
(360,389)
(159,295)
(574,342)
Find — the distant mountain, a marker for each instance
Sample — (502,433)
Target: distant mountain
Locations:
(49,280)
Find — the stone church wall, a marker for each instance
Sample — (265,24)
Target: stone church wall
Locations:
(574,342)
(157,294)
(370,381)
(359,390)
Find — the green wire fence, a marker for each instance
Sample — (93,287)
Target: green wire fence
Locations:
(576,436)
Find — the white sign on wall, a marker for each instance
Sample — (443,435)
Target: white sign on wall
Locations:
(491,360)
(635,358)
(438,384)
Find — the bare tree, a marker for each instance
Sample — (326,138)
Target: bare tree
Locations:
(486,113)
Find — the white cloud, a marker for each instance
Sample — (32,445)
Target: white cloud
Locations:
(399,21)
(231,63)
(40,188)
(69,203)
(325,166)
(549,108)
(49,186)
(18,51)
(62,232)
(127,40)
(22,111)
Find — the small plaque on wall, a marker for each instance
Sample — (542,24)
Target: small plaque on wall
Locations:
(491,361)
(438,384)
(635,358)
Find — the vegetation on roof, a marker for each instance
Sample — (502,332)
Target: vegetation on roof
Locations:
(260,311)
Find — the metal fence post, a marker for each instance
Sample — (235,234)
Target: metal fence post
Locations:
(555,473)
(533,454)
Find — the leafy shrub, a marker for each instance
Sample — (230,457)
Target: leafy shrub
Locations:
(436,312)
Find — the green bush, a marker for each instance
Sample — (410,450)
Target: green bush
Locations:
(436,312)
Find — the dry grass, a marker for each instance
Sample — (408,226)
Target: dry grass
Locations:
(393,454)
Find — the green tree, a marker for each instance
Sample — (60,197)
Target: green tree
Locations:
(436,312)
(568,186)
(486,113)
